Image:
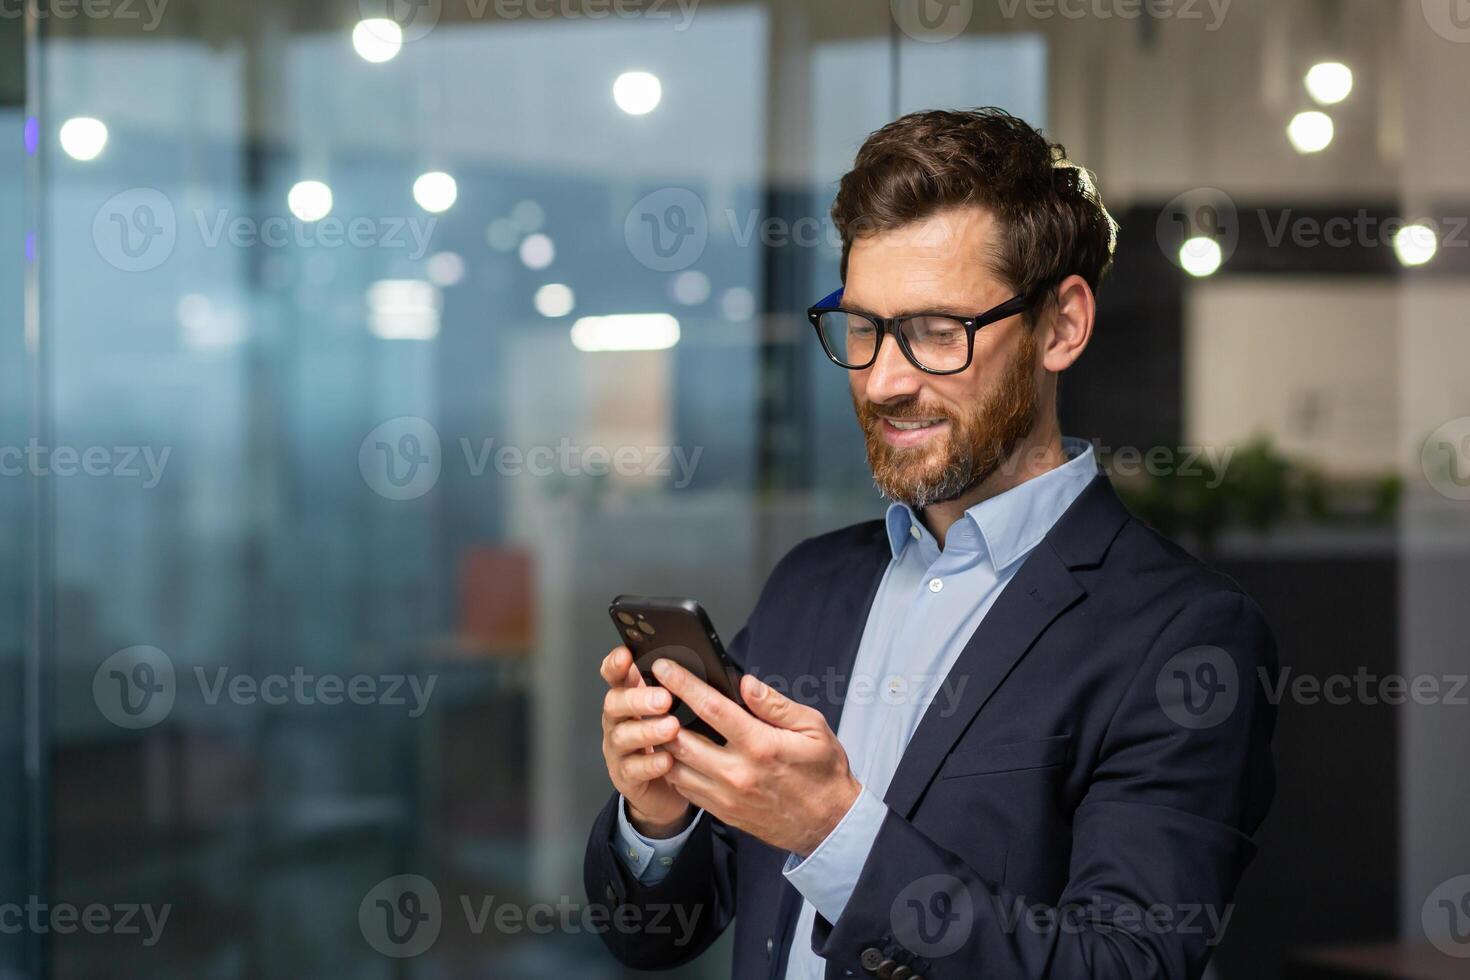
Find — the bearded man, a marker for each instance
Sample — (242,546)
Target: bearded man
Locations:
(1038,741)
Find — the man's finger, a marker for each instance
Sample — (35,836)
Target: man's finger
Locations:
(631,736)
(642,768)
(615,666)
(635,702)
(722,714)
(775,708)
(698,752)
(695,787)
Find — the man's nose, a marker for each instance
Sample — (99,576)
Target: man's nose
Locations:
(892,375)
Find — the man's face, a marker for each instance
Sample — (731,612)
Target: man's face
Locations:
(969,423)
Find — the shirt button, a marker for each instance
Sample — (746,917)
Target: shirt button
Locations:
(665,861)
(935,584)
(914,532)
(632,854)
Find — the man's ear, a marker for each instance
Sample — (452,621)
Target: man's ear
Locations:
(1067,326)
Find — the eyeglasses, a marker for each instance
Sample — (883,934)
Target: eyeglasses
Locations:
(935,343)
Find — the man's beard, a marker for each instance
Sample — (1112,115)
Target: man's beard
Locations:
(975,447)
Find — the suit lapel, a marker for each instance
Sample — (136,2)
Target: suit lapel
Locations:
(1042,589)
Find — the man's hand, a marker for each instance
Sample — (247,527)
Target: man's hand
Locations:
(782,776)
(634,721)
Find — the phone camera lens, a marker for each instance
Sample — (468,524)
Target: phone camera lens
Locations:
(626,619)
(645,626)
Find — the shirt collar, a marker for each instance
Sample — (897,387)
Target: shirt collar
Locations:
(1014,522)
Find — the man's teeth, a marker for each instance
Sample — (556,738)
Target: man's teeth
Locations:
(906,426)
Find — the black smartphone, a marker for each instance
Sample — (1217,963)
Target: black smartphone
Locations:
(654,627)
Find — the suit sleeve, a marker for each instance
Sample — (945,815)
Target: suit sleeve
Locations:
(665,923)
(1160,838)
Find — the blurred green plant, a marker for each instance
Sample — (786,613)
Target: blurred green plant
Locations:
(1258,488)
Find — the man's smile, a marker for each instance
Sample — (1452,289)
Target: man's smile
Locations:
(903,433)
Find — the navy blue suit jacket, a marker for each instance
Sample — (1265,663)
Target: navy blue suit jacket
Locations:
(1086,811)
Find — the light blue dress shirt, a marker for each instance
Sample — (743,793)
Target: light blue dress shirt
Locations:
(927,607)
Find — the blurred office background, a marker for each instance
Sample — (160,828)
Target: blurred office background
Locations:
(307,369)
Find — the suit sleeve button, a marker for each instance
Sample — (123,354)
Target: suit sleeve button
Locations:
(903,973)
(870,959)
(885,969)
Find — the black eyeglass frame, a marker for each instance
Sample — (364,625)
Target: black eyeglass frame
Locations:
(1016,304)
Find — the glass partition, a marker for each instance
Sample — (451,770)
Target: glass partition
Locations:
(357,352)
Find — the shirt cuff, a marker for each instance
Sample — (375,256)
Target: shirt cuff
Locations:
(648,858)
(828,876)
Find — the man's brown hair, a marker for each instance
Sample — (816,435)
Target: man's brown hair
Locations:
(1053,223)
